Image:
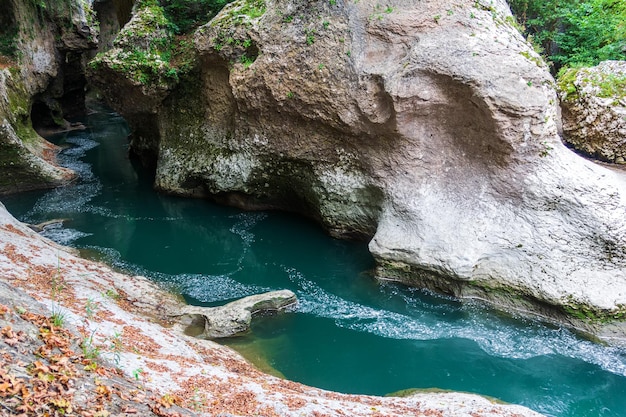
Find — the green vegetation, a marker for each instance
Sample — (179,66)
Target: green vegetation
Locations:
(185,15)
(587,314)
(8,39)
(246,60)
(574,32)
(310,37)
(57,318)
(89,348)
(147,49)
(246,50)
(606,85)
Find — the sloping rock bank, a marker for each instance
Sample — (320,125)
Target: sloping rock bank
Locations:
(429,127)
(124,321)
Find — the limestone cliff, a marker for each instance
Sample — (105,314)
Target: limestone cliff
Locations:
(42,60)
(429,127)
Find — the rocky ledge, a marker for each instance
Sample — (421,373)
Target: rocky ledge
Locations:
(430,128)
(234,318)
(124,323)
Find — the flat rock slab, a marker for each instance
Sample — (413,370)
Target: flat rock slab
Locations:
(233,318)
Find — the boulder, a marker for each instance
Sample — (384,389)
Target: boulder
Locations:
(233,318)
(430,128)
(594,110)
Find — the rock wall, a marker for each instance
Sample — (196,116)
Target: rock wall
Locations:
(429,127)
(42,81)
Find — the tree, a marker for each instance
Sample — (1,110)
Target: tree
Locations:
(575,32)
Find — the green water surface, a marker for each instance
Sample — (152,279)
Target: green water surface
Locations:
(348,333)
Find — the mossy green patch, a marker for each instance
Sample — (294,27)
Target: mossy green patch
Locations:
(533,58)
(240,12)
(593,315)
(611,85)
(607,85)
(147,51)
(19,111)
(566,83)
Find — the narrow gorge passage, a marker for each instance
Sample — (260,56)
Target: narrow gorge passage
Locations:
(349,333)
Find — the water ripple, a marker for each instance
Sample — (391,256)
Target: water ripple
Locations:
(526,340)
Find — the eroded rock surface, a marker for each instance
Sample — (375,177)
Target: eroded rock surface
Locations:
(594,110)
(234,318)
(429,127)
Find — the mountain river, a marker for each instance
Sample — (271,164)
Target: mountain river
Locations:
(348,333)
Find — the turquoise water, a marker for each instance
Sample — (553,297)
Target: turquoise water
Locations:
(348,333)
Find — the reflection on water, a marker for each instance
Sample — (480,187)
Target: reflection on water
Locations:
(349,333)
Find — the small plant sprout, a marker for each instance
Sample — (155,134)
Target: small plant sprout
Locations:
(325,24)
(436,18)
(320,67)
(112,294)
(116,348)
(290,94)
(137,373)
(57,285)
(197,401)
(246,60)
(91,307)
(546,149)
(58,317)
(90,350)
(310,37)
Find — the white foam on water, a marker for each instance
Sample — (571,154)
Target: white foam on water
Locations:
(243,229)
(526,340)
(204,288)
(61,235)
(74,197)
(106,212)
(213,288)
(245,222)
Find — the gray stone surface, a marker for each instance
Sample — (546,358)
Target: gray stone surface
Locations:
(233,318)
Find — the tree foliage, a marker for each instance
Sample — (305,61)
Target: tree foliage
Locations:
(575,32)
(187,14)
